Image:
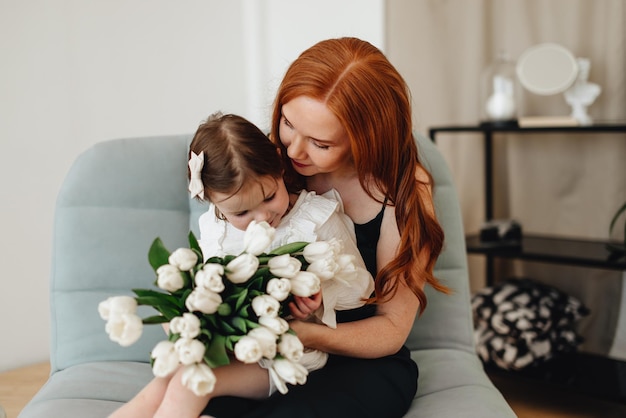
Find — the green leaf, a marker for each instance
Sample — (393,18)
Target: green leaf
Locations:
(215,354)
(243,312)
(193,242)
(158,300)
(224,309)
(227,328)
(231,340)
(216,260)
(261,272)
(241,299)
(195,247)
(155,294)
(239,324)
(257,284)
(156,319)
(206,333)
(168,312)
(290,248)
(211,320)
(158,254)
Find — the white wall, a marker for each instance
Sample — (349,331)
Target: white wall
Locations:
(75,72)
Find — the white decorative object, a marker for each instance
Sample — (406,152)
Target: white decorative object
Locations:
(582,94)
(498,91)
(547,69)
(501,103)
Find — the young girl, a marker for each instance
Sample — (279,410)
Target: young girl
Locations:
(238,170)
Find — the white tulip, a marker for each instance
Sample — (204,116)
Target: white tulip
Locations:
(188,325)
(275,324)
(169,278)
(284,370)
(279,289)
(291,347)
(305,284)
(115,305)
(125,329)
(199,378)
(203,300)
(248,350)
(189,350)
(165,359)
(258,237)
(265,305)
(240,269)
(319,250)
(347,272)
(266,339)
(324,268)
(183,258)
(284,266)
(210,277)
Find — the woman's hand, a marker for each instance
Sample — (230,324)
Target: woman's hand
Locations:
(305,331)
(303,307)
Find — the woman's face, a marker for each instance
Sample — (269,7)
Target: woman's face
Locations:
(316,141)
(264,200)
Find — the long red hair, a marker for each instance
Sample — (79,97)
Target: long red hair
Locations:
(372,101)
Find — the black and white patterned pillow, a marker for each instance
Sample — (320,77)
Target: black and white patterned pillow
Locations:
(519,323)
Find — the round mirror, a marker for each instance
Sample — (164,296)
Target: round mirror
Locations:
(547,69)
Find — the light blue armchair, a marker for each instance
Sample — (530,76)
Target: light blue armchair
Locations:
(120,195)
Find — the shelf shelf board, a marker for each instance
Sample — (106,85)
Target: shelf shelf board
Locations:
(514,128)
(578,252)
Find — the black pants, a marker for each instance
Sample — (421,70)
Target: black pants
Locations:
(345,387)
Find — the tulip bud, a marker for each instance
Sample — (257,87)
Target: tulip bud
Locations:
(199,378)
(305,284)
(258,237)
(278,288)
(240,269)
(265,305)
(284,266)
(169,278)
(183,258)
(203,300)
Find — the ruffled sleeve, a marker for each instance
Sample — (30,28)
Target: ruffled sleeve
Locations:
(308,214)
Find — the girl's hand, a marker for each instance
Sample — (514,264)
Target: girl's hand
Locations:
(303,307)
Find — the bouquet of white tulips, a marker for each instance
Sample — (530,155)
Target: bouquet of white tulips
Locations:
(225,306)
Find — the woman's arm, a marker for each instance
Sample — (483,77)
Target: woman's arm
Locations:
(380,335)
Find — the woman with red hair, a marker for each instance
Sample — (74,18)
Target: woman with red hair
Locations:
(342,119)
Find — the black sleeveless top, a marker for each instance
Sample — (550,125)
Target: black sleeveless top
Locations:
(367,236)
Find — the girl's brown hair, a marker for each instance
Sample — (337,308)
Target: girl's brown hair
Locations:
(372,101)
(235,153)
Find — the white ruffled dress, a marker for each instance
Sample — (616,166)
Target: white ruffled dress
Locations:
(312,218)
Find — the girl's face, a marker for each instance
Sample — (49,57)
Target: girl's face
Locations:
(266,200)
(315,140)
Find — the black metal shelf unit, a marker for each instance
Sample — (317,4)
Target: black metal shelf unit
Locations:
(579,372)
(548,249)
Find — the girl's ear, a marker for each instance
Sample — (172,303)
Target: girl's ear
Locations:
(219,215)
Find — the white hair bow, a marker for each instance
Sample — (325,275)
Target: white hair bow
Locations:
(196,162)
